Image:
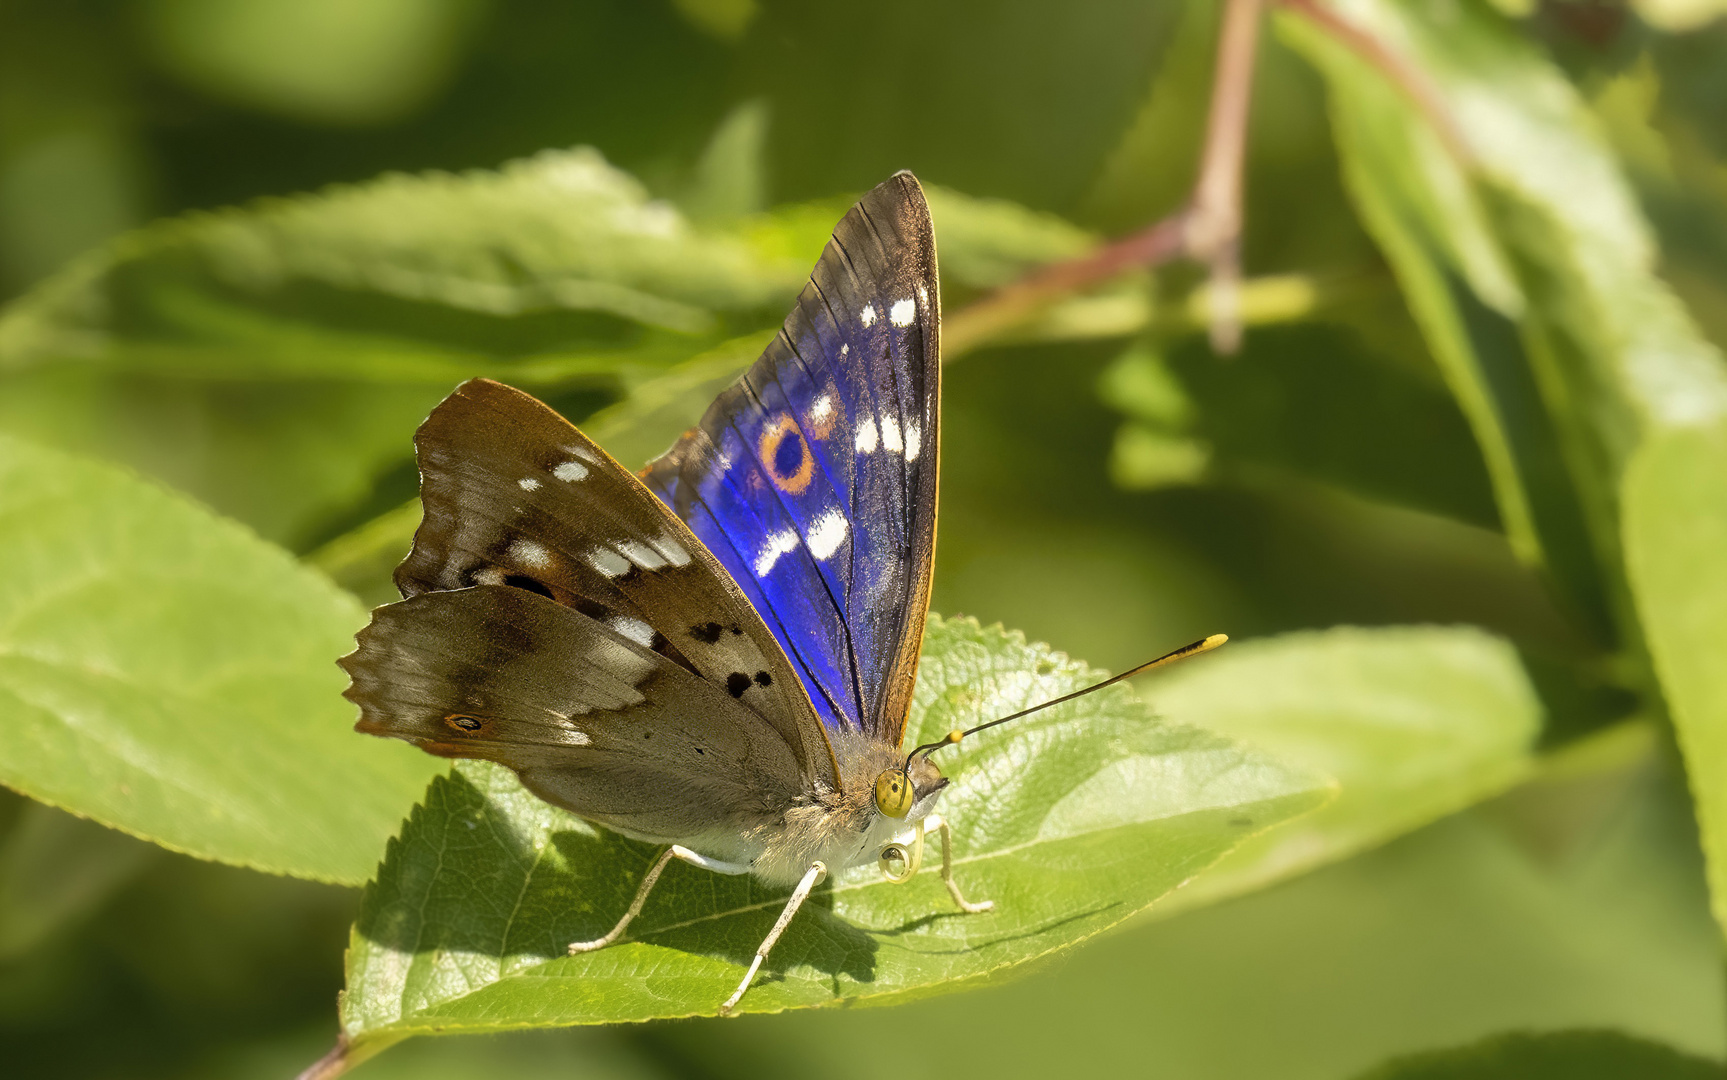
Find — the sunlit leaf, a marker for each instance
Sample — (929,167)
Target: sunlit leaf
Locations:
(1540,225)
(165,672)
(1422,206)
(1452,934)
(1676,550)
(1607,359)
(274,359)
(1413,723)
(1071,821)
(562,232)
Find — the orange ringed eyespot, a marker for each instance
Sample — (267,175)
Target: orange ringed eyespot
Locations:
(791,475)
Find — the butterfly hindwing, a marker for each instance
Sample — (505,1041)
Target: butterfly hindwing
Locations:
(813,478)
(591,720)
(516,498)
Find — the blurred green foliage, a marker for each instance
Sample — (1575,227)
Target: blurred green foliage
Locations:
(1464,478)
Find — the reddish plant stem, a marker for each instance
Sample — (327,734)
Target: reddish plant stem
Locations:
(1013,304)
(1215,219)
(1208,227)
(331,1065)
(1394,66)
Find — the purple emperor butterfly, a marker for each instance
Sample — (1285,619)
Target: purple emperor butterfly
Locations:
(718,655)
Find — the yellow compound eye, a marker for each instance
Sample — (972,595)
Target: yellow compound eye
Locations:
(893,794)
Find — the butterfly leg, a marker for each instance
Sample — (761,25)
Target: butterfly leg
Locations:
(812,877)
(936,821)
(676,851)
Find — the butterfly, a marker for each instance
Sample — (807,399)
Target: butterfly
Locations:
(717,654)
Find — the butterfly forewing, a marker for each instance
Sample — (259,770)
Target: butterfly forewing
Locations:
(813,479)
(515,497)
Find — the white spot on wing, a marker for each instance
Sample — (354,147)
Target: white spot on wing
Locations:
(626,664)
(608,562)
(923,295)
(902,313)
(672,550)
(531,555)
(528,483)
(634,629)
(577,738)
(584,453)
(489,575)
(570,471)
(829,533)
(913,440)
(822,409)
(845,349)
(866,438)
(890,435)
(867,315)
(641,554)
(778,544)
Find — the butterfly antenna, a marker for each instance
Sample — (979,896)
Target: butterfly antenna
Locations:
(952,737)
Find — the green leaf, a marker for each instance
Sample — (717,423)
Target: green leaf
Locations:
(1542,225)
(1421,206)
(1413,723)
(1676,552)
(1539,224)
(1559,1055)
(561,234)
(197,349)
(164,672)
(1454,933)
(1071,821)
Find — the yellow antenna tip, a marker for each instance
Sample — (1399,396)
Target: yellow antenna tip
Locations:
(1213,641)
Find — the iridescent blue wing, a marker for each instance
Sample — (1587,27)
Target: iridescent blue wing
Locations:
(813,478)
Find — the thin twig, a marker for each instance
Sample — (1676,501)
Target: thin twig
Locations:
(1012,304)
(1214,222)
(1207,228)
(1394,66)
(331,1065)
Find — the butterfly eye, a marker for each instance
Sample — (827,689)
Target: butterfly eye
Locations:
(893,794)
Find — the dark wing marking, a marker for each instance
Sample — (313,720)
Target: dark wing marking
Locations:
(516,496)
(591,720)
(813,478)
